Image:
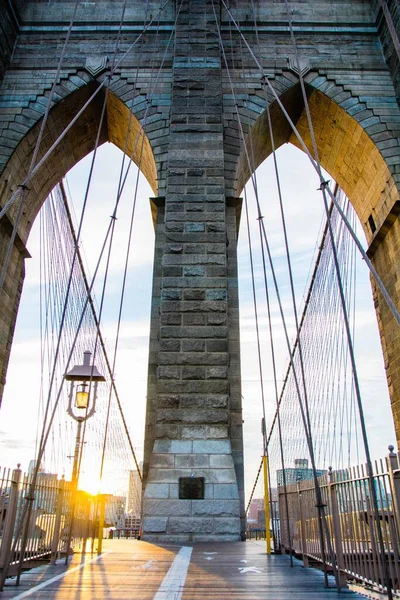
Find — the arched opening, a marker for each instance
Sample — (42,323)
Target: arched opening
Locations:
(119,126)
(305,220)
(345,149)
(351,157)
(30,336)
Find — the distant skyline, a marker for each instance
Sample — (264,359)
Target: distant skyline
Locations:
(304,214)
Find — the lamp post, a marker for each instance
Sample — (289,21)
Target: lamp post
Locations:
(86,378)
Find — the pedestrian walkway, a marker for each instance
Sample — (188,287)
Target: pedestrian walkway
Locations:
(133,570)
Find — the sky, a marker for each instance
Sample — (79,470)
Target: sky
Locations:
(304,212)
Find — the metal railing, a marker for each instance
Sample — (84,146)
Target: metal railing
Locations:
(39,527)
(352,523)
(255,534)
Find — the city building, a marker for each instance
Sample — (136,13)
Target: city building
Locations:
(300,472)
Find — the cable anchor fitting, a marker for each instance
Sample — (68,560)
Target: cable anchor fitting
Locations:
(324,184)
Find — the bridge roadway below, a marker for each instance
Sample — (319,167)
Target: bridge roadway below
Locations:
(134,570)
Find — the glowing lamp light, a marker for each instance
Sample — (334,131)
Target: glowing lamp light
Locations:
(82,398)
(86,377)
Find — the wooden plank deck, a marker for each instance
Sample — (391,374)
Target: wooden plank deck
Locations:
(133,570)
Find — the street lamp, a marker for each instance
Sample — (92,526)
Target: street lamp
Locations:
(86,378)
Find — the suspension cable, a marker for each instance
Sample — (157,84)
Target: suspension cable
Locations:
(101,339)
(45,433)
(254,486)
(265,82)
(23,188)
(303,409)
(324,185)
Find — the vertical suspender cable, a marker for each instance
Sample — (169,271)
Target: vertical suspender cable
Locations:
(260,369)
(304,415)
(271,336)
(23,188)
(267,83)
(324,186)
(96,320)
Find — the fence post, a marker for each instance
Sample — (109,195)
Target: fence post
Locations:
(337,533)
(9,523)
(86,532)
(306,562)
(57,524)
(394,477)
(102,502)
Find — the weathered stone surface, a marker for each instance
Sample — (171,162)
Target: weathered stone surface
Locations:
(188,461)
(194,432)
(162,460)
(225,491)
(220,461)
(227,525)
(156,490)
(212,447)
(166,507)
(173,446)
(192,525)
(155,524)
(217,431)
(221,508)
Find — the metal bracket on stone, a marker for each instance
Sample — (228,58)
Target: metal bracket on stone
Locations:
(304,65)
(95,66)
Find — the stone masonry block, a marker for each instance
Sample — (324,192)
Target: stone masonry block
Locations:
(154,507)
(221,508)
(155,524)
(193,345)
(189,461)
(211,447)
(191,525)
(156,490)
(194,432)
(226,491)
(217,431)
(173,446)
(220,461)
(227,525)
(162,460)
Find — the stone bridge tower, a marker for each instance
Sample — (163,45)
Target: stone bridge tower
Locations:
(194,159)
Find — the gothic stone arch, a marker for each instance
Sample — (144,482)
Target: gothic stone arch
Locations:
(359,147)
(194,419)
(120,127)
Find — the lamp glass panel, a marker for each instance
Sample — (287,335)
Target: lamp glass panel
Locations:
(82,399)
